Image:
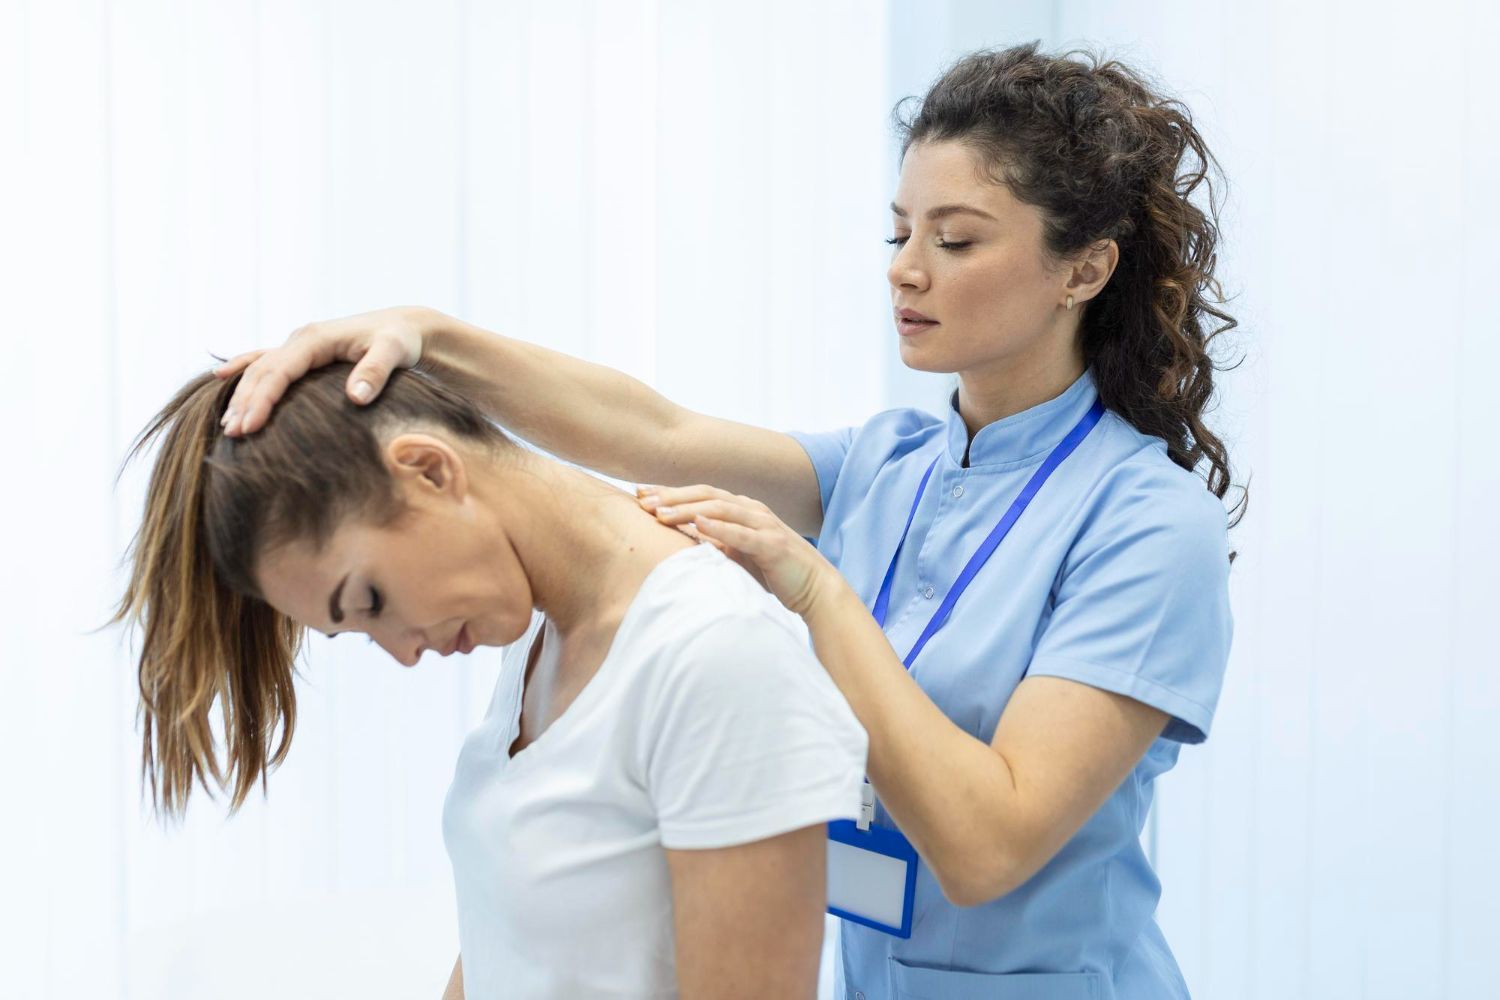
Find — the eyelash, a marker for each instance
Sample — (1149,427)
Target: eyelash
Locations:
(899,240)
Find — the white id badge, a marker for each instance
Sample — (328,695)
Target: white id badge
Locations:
(872,872)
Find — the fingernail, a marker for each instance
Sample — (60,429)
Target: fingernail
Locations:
(362,391)
(228,416)
(650,500)
(665,511)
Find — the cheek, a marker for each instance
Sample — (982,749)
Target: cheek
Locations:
(1000,289)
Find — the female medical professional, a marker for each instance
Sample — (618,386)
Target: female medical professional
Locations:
(1047,571)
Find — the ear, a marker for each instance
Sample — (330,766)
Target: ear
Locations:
(427,465)
(1090,273)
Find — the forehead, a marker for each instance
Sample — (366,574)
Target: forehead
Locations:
(297,579)
(941,173)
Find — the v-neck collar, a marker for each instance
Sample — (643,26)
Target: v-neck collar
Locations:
(590,690)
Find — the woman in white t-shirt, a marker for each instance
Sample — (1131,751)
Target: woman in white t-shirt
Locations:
(640,813)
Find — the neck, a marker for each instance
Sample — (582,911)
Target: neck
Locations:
(584,546)
(1012,386)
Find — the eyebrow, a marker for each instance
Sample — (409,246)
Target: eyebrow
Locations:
(945,210)
(334,611)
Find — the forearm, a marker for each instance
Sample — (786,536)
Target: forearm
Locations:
(585,413)
(952,795)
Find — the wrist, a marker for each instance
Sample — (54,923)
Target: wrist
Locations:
(429,323)
(829,598)
(447,343)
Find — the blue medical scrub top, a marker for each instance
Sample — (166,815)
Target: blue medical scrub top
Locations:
(1116,576)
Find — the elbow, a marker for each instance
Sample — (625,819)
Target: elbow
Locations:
(971,890)
(978,876)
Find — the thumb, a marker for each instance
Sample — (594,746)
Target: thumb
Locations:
(373,371)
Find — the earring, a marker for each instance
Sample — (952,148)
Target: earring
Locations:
(1070,303)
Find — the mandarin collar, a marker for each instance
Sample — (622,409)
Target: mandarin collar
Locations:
(1020,437)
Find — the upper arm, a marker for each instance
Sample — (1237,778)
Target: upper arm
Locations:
(749,918)
(1134,648)
(1067,746)
(768,465)
(1141,607)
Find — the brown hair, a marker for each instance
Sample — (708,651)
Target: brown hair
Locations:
(1104,157)
(214,505)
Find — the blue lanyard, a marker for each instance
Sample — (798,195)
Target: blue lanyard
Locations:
(992,542)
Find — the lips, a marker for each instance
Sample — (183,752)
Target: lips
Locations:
(909,322)
(460,644)
(913,327)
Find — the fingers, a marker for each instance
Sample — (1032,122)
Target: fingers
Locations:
(691,531)
(743,529)
(653,497)
(263,383)
(376,342)
(721,510)
(738,537)
(237,364)
(374,370)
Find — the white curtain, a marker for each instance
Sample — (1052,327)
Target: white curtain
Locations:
(689,192)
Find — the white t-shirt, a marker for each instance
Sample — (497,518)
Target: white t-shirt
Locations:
(709,723)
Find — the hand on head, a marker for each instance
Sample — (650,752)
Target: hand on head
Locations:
(376,343)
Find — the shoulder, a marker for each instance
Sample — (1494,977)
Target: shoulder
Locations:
(1140,491)
(730,667)
(1140,480)
(708,607)
(720,641)
(880,444)
(893,431)
(882,434)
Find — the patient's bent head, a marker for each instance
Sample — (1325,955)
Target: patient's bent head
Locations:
(334,517)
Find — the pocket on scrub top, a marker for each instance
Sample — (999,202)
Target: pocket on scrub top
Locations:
(914,982)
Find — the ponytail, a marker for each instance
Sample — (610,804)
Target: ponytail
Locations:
(201,642)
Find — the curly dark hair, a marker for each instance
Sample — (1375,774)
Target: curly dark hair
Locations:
(1094,146)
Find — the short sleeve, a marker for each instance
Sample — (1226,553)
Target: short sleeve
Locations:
(1142,607)
(749,739)
(827,450)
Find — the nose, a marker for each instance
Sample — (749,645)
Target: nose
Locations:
(905,270)
(405,650)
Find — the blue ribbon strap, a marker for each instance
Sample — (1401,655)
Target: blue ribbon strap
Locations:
(997,534)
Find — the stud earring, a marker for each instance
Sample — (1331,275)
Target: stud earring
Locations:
(1070,303)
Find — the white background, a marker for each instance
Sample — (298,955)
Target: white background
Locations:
(695,193)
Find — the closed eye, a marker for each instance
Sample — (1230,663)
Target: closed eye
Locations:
(376,603)
(897,241)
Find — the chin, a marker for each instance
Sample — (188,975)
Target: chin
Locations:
(513,632)
(926,360)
